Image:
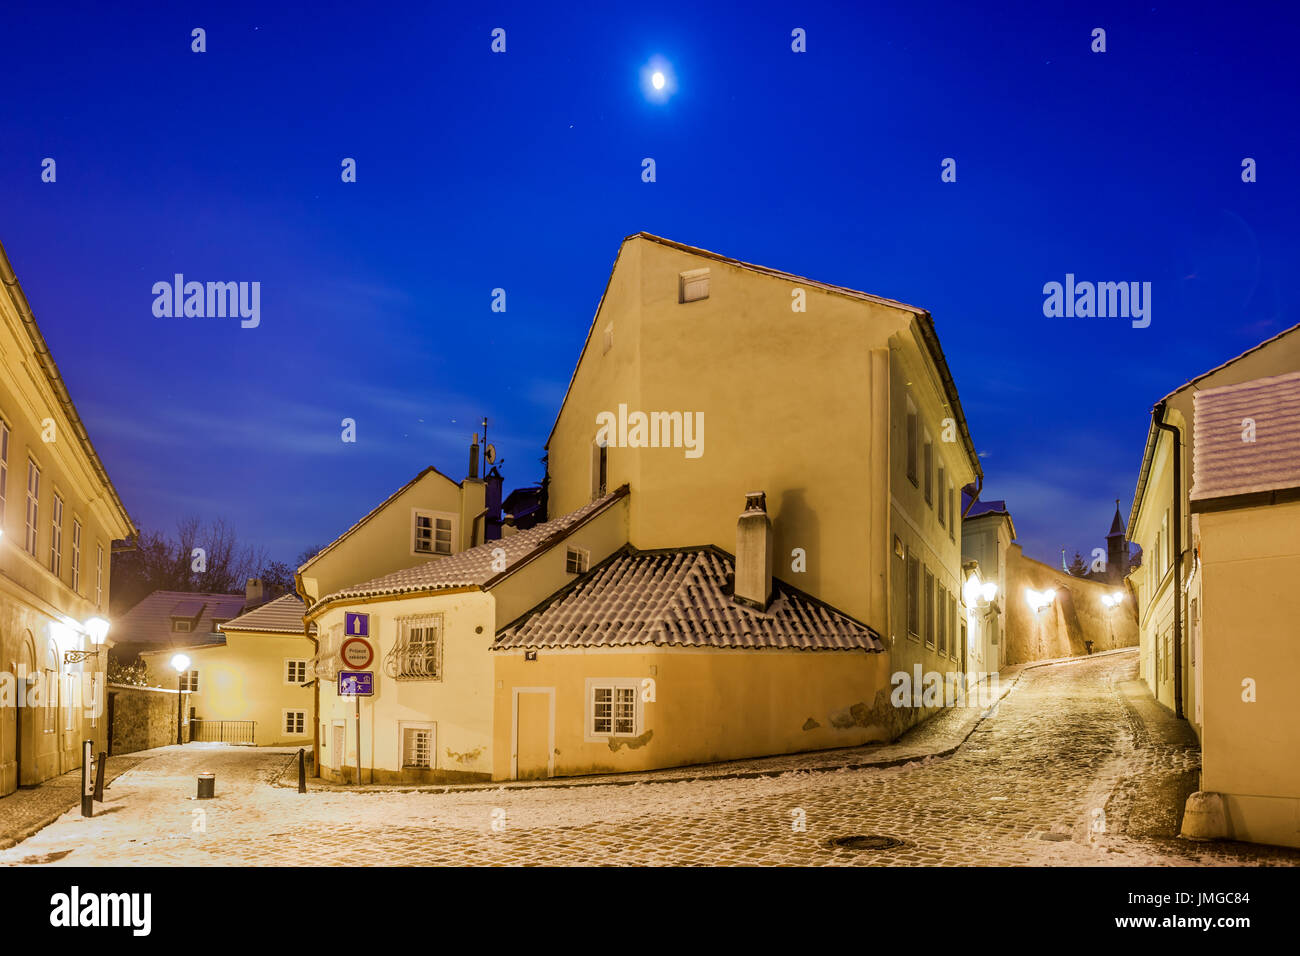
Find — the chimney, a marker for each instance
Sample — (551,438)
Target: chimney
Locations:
(754,552)
(473,458)
(253,592)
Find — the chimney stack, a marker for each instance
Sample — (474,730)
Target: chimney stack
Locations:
(754,552)
(253,592)
(473,457)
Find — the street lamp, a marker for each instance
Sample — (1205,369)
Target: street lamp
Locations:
(181,664)
(97,630)
(1039,599)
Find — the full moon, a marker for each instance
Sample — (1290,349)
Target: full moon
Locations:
(658,81)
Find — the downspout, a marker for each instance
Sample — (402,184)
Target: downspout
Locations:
(1157,419)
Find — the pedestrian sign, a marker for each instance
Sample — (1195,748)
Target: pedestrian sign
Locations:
(356,683)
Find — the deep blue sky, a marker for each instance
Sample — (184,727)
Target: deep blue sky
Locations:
(522,171)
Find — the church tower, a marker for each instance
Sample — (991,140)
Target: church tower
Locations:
(1116,548)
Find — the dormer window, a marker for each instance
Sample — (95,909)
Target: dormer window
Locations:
(181,626)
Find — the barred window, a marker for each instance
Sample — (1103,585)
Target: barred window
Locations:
(325,665)
(613,710)
(417,655)
(417,747)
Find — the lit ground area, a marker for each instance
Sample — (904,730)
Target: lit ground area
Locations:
(1072,749)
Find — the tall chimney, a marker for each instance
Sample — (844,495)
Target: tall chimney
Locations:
(473,458)
(754,552)
(253,591)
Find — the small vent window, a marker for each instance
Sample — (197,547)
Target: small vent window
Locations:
(577,560)
(693,285)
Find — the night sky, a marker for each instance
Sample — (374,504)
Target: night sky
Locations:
(522,171)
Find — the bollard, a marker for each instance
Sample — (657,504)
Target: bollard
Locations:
(87,779)
(207,785)
(302,770)
(99,776)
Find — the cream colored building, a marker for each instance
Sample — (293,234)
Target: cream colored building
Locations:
(757,481)
(1169,603)
(59,516)
(249,684)
(1245,555)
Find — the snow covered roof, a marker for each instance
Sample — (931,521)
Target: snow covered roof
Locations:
(683,598)
(283,615)
(1247,438)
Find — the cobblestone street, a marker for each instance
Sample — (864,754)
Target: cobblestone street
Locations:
(1073,748)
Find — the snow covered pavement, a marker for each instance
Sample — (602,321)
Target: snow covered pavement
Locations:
(1065,772)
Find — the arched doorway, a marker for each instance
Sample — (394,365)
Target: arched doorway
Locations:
(25,724)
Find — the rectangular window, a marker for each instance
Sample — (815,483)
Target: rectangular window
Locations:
(599,469)
(295,672)
(693,285)
(99,575)
(952,627)
(76,555)
(913,436)
(432,533)
(941,635)
(576,560)
(943,481)
(190,682)
(4,467)
(56,536)
(913,595)
(417,746)
(952,513)
(613,709)
(927,462)
(180,626)
(33,504)
(51,701)
(929,608)
(295,723)
(418,653)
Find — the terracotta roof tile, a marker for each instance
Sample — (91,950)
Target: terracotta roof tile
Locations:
(681,598)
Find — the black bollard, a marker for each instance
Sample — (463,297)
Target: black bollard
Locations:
(302,770)
(99,776)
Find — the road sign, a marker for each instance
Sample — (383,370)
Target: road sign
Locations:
(356,624)
(356,683)
(357,653)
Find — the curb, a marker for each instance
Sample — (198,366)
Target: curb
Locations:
(279,781)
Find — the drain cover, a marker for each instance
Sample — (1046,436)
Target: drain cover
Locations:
(866,842)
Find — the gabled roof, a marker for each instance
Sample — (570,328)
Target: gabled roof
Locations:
(680,597)
(984,509)
(924,321)
(46,361)
(1225,463)
(150,621)
(374,511)
(1153,433)
(477,566)
(281,616)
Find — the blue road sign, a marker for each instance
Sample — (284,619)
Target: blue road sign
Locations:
(356,624)
(356,683)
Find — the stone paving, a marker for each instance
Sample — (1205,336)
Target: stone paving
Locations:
(1071,748)
(24,812)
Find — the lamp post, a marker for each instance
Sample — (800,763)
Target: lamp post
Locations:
(181,664)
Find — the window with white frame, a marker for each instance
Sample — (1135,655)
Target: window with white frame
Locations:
(99,575)
(76,555)
(612,708)
(576,560)
(56,535)
(418,745)
(295,672)
(417,655)
(432,533)
(4,467)
(295,723)
(190,682)
(33,505)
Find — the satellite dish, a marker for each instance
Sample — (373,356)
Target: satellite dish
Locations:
(490,454)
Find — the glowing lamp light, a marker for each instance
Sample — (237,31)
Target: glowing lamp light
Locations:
(180,662)
(1039,599)
(971,591)
(990,590)
(97,628)
(63,634)
(1112,600)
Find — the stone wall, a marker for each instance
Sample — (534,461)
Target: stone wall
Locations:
(1066,626)
(143,717)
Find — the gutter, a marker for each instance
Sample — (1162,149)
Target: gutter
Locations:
(1157,420)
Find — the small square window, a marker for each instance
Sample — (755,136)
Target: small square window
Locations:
(432,534)
(693,285)
(295,672)
(576,560)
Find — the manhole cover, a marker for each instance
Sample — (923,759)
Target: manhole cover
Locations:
(866,842)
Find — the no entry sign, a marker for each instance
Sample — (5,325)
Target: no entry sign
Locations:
(357,653)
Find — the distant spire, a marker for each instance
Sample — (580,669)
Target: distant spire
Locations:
(1116,526)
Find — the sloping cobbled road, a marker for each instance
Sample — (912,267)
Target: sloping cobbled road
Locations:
(1050,777)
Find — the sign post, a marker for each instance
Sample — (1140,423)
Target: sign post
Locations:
(88,778)
(356,653)
(357,684)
